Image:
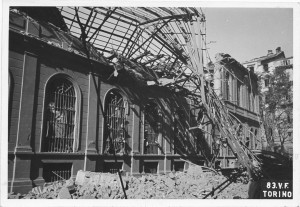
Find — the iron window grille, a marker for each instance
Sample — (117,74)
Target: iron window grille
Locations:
(56,171)
(178,166)
(150,167)
(112,167)
(60,114)
(115,133)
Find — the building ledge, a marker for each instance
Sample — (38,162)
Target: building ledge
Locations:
(233,108)
(59,154)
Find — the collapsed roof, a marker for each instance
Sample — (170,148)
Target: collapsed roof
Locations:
(151,46)
(153,43)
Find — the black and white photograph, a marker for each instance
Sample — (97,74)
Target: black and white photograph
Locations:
(149,104)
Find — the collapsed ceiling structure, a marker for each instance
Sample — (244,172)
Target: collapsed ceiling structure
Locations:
(163,45)
(159,46)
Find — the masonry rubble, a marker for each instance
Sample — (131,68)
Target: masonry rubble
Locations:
(191,184)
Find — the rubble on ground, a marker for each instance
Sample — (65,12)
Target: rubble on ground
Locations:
(178,185)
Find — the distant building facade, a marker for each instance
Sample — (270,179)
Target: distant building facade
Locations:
(238,87)
(264,67)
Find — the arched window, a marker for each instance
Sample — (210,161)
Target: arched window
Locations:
(152,128)
(116,130)
(59,115)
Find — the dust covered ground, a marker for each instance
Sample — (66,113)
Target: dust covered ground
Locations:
(179,185)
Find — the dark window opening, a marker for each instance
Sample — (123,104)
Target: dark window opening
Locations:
(115,132)
(266,68)
(200,162)
(150,167)
(270,132)
(151,128)
(179,166)
(193,115)
(247,143)
(251,68)
(112,167)
(56,171)
(60,111)
(266,82)
(227,95)
(217,164)
(238,98)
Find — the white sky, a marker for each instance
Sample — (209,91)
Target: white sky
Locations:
(247,33)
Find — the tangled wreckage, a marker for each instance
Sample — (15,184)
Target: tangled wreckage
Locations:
(116,89)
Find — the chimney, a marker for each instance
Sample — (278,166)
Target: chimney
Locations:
(278,50)
(270,52)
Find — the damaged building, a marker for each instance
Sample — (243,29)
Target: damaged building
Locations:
(107,89)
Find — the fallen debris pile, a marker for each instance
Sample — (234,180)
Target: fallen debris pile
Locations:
(179,185)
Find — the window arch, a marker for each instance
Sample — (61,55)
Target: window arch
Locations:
(116,131)
(60,111)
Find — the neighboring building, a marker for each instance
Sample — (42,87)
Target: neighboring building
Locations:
(58,96)
(265,67)
(265,63)
(238,87)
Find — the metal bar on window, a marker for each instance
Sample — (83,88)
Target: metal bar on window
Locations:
(61,121)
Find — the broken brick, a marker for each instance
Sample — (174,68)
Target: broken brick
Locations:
(64,193)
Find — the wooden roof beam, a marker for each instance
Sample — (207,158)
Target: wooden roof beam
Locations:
(104,31)
(150,37)
(162,41)
(83,34)
(88,20)
(134,42)
(129,40)
(124,37)
(89,28)
(108,14)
